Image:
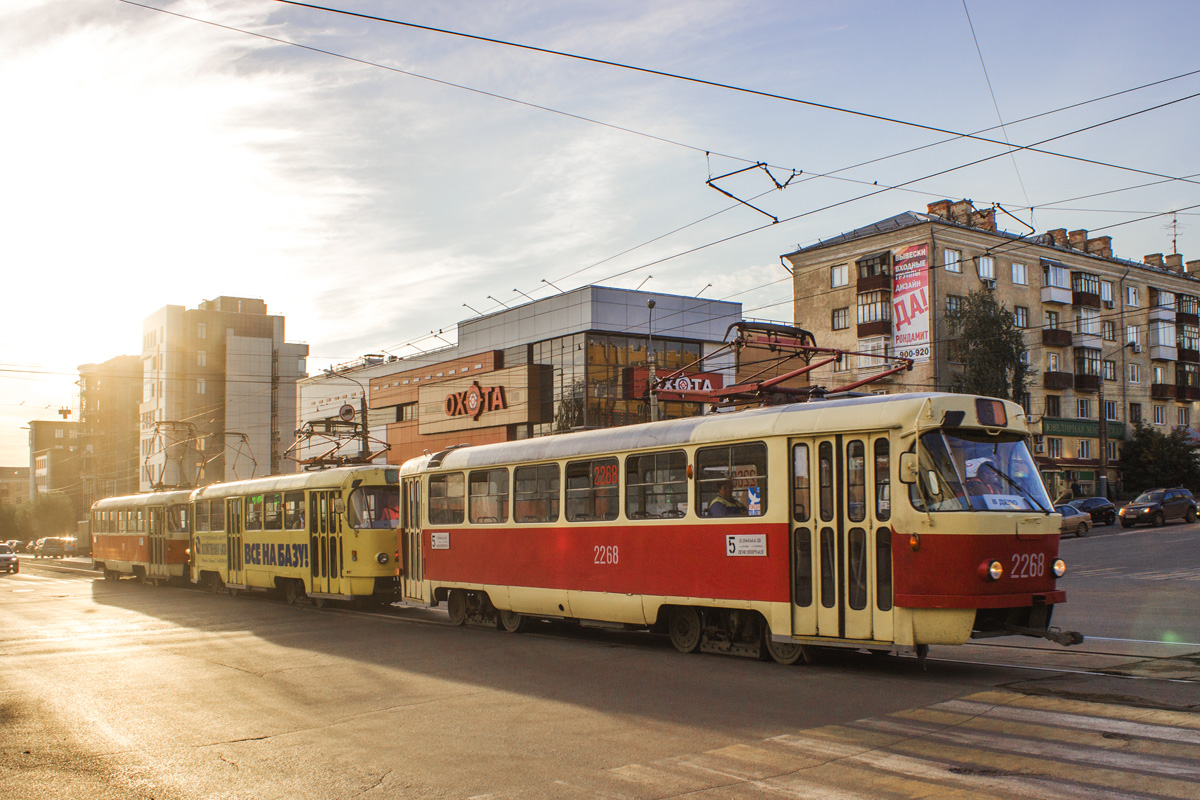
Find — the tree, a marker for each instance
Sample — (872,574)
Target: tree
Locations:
(1150,458)
(990,346)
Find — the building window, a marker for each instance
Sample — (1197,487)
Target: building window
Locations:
(1108,330)
(1131,296)
(1106,294)
(952,260)
(1162,299)
(1083,448)
(1087,361)
(1135,373)
(1160,374)
(839,276)
(1162,333)
(406,412)
(1083,408)
(1054,447)
(1187,304)
(1110,409)
(201,386)
(1052,320)
(201,330)
(1135,413)
(201,358)
(1056,276)
(1113,455)
(1052,362)
(875,346)
(1088,322)
(1131,334)
(1188,336)
(878,264)
(1021,316)
(1110,370)
(874,307)
(1086,283)
(1053,405)
(841,319)
(841,365)
(1160,415)
(987,268)
(1182,416)
(1019,275)
(953,304)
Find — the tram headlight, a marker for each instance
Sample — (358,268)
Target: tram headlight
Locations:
(991,570)
(382,558)
(1060,568)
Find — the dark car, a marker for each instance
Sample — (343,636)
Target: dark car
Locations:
(54,547)
(9,561)
(1101,511)
(1156,506)
(1074,521)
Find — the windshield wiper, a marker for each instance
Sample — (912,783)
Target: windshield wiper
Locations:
(1015,485)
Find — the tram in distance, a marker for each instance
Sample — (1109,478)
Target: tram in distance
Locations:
(327,535)
(887,522)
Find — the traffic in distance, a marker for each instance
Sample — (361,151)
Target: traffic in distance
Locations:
(886,523)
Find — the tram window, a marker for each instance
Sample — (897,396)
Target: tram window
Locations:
(201,516)
(216,515)
(883,481)
(883,569)
(141,520)
(802,569)
(744,466)
(177,519)
(801,491)
(487,496)
(536,492)
(122,522)
(592,489)
(856,481)
(254,513)
(656,485)
(446,496)
(828,569)
(825,473)
(375,507)
(857,568)
(272,512)
(293,511)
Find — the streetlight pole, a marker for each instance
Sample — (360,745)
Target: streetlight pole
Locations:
(1103,481)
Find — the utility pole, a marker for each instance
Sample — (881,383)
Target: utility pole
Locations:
(653,373)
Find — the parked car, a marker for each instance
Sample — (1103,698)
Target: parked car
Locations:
(9,560)
(54,547)
(1156,506)
(1074,521)
(1102,511)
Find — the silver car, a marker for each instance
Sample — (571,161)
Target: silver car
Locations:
(1074,521)
(9,560)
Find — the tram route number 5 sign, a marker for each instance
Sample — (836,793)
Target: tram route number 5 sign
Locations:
(746,544)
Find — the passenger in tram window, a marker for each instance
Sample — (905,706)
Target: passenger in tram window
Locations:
(725,504)
(389,515)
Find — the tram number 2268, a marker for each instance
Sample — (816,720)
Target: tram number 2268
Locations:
(605,554)
(1028,565)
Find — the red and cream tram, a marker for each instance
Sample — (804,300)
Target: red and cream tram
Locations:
(144,536)
(881,522)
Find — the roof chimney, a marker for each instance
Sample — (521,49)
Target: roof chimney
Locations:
(1100,246)
(1193,267)
(940,209)
(1154,259)
(1174,262)
(984,220)
(1059,235)
(1077,240)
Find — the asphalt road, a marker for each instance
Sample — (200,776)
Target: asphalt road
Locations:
(128,691)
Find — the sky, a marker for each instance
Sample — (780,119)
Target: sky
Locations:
(376,183)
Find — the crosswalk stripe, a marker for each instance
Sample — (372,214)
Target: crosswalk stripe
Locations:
(1174,719)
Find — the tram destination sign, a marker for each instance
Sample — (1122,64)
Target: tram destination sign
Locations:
(1083,428)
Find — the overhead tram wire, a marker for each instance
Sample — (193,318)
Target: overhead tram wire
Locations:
(731,87)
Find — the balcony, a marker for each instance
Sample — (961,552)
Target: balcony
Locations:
(1058,380)
(1186,354)
(880,327)
(1087,383)
(1085,299)
(1162,391)
(1187,392)
(1057,295)
(1162,314)
(1161,352)
(1056,337)
(872,283)
(1184,318)
(1091,340)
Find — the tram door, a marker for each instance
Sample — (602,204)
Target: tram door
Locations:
(158,544)
(411,541)
(325,543)
(234,556)
(853,488)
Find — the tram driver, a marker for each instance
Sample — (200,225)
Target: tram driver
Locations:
(725,504)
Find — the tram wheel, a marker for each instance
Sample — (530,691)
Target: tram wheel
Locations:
(318,602)
(1081,530)
(456,606)
(214,584)
(233,592)
(291,592)
(782,652)
(511,621)
(684,628)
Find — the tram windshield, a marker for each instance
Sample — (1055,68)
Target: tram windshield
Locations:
(177,519)
(375,507)
(963,470)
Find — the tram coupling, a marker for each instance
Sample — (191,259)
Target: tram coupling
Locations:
(1056,635)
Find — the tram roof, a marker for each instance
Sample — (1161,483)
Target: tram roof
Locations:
(148,499)
(335,476)
(873,412)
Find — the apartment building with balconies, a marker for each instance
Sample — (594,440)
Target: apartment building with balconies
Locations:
(1109,340)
